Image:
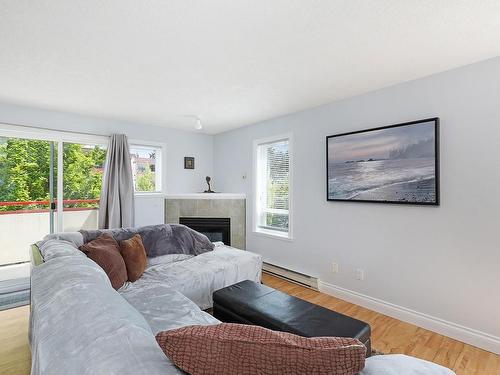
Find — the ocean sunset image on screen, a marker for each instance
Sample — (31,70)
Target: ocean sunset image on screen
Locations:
(396,164)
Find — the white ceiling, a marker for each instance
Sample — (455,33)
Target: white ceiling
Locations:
(231,62)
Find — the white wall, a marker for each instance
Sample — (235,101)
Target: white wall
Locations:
(149,210)
(441,261)
(179,143)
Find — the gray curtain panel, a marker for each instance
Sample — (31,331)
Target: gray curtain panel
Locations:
(116,209)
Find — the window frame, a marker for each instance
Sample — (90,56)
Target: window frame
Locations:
(273,233)
(159,167)
(60,137)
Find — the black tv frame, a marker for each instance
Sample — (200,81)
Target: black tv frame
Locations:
(436,169)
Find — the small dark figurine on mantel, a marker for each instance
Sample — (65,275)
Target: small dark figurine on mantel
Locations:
(209,188)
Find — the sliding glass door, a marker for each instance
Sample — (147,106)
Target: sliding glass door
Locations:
(49,182)
(28,191)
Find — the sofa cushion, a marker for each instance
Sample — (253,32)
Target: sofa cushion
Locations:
(164,308)
(75,238)
(105,251)
(397,364)
(80,325)
(53,248)
(243,349)
(134,255)
(199,276)
(160,239)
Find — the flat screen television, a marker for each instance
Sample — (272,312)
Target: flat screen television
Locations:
(390,164)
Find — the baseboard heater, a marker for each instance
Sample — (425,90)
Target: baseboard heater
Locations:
(289,275)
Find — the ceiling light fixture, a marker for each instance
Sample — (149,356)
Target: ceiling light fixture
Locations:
(198,125)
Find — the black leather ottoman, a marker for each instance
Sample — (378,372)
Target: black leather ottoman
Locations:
(248,302)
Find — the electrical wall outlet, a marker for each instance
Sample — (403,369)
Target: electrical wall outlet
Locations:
(360,274)
(335,267)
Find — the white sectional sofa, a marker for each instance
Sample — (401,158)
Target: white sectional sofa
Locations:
(80,325)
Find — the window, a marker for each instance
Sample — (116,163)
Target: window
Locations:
(83,167)
(146,168)
(49,182)
(273,181)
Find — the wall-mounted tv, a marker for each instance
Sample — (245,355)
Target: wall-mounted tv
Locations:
(390,164)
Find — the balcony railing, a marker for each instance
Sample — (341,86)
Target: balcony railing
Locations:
(35,206)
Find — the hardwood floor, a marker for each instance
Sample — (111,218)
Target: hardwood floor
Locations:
(15,356)
(388,335)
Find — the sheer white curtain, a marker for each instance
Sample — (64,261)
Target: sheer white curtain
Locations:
(116,208)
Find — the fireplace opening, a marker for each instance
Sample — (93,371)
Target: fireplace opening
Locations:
(215,228)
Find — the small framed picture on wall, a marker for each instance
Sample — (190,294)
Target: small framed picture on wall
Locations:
(188,162)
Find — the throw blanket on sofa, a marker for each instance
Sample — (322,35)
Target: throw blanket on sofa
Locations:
(160,239)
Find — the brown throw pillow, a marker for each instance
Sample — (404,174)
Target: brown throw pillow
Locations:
(134,255)
(104,250)
(243,349)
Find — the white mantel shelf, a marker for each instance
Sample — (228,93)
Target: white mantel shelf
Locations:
(206,196)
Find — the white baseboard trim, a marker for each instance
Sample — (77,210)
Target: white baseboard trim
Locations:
(468,335)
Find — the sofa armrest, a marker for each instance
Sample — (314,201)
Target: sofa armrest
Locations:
(35,256)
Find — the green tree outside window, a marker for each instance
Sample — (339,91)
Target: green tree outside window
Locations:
(24,172)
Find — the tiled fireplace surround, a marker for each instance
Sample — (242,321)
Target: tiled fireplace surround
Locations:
(216,205)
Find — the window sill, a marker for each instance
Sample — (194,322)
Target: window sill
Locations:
(149,195)
(273,234)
